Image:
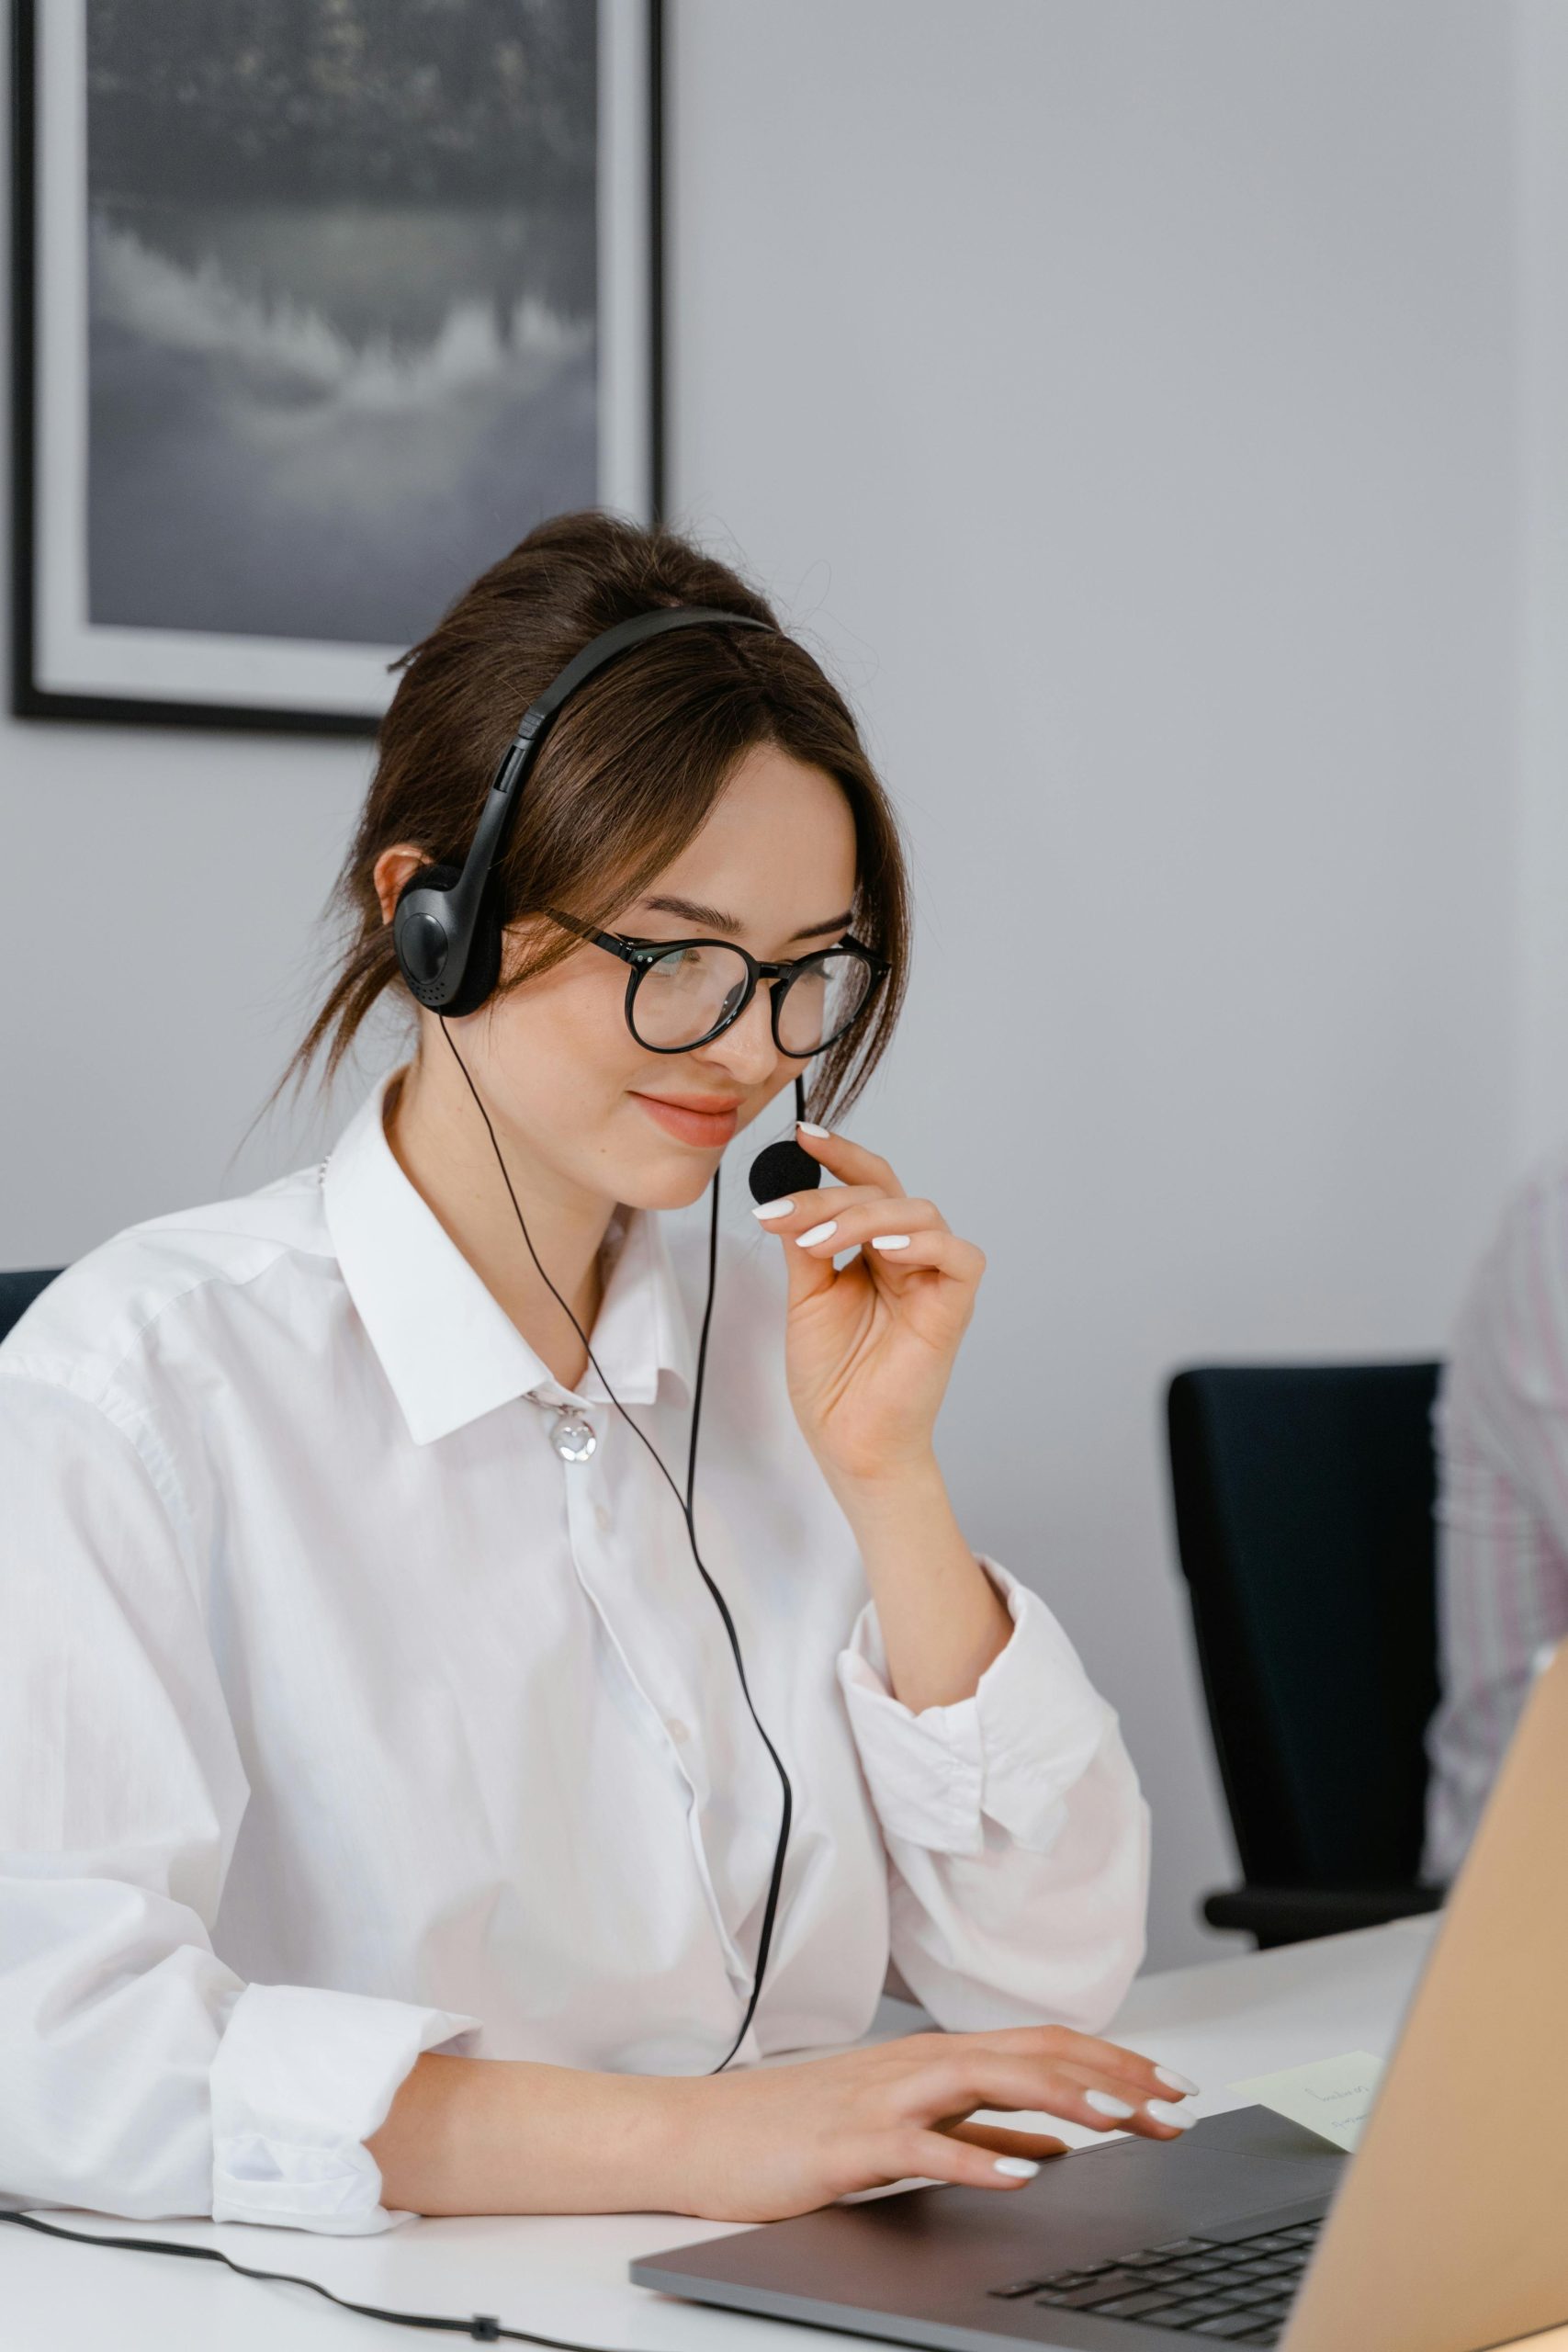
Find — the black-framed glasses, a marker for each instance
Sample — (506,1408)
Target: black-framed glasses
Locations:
(682,992)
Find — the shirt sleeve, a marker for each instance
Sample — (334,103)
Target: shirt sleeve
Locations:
(1501,1424)
(1016,1837)
(143,2078)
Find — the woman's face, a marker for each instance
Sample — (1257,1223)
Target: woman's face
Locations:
(773,870)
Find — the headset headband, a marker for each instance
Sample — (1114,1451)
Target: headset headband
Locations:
(437,924)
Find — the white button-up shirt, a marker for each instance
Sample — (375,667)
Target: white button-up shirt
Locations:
(341,1718)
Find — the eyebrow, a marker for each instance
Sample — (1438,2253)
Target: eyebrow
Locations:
(689,912)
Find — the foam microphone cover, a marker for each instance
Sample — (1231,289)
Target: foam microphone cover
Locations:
(786,1167)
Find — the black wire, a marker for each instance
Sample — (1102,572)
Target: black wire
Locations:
(703,1343)
(481,2327)
(770,1911)
(702,1353)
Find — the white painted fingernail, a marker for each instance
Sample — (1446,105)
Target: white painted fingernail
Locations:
(1104,2104)
(1016,2167)
(1162,2113)
(1177,2082)
(782,1208)
(808,1129)
(889,1241)
(818,1233)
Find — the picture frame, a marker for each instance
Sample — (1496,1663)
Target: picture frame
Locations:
(241,489)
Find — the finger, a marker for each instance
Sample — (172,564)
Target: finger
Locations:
(792,1212)
(941,2156)
(936,1251)
(1123,2099)
(1130,2096)
(1070,2048)
(1036,2145)
(843,1223)
(850,1163)
(989,2079)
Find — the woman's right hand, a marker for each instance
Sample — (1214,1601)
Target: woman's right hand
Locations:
(772,2140)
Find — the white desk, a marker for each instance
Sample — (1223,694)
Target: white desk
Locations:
(1219,2023)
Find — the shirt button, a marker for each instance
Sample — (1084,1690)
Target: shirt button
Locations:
(602,1515)
(679,1732)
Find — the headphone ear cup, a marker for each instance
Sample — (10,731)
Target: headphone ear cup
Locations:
(483,967)
(423,877)
(429,877)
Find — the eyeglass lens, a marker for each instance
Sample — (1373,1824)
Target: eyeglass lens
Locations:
(681,999)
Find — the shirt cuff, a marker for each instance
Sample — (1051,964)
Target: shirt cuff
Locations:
(301,2078)
(1009,1752)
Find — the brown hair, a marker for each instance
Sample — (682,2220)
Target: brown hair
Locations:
(627,774)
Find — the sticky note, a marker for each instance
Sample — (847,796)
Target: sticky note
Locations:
(1333,2096)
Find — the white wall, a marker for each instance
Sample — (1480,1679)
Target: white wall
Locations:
(1124,399)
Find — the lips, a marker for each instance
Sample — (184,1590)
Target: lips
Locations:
(702,1119)
(708,1106)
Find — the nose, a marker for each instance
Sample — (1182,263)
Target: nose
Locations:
(746,1050)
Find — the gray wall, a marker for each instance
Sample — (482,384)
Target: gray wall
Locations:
(1123,399)
(1541,803)
(1124,394)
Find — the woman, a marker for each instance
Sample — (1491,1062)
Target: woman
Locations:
(387,1826)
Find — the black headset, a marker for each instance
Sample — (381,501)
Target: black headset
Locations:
(446,929)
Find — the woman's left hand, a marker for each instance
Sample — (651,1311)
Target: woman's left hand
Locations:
(869,1345)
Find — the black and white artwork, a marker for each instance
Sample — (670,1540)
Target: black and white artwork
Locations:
(325,304)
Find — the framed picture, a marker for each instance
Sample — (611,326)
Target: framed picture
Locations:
(319,305)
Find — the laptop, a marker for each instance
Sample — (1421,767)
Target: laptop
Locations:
(1445,2232)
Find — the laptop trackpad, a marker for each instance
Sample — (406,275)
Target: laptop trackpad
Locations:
(932,2249)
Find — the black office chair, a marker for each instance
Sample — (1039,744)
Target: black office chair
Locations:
(1304,1519)
(18,1293)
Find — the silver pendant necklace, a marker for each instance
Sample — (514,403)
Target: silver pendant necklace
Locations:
(571,1433)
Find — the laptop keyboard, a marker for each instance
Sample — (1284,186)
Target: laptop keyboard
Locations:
(1239,2293)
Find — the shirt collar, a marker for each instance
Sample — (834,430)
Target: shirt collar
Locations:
(445,1344)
